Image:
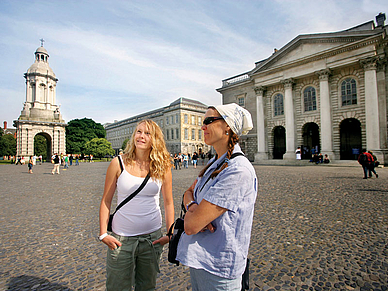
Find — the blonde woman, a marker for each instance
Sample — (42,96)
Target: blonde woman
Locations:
(136,242)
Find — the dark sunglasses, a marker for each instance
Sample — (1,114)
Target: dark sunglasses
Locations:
(209,120)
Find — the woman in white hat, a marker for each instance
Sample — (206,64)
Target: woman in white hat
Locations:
(220,205)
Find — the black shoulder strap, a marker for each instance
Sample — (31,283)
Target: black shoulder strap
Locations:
(121,163)
(126,200)
(220,164)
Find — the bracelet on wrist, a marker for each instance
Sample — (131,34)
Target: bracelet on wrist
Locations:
(189,204)
(101,237)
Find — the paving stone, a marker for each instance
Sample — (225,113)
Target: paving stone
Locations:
(315,228)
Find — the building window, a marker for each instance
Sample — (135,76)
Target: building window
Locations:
(310,99)
(193,134)
(193,119)
(186,133)
(241,101)
(177,133)
(186,120)
(172,133)
(349,92)
(172,119)
(176,118)
(199,120)
(200,134)
(278,105)
(168,134)
(167,120)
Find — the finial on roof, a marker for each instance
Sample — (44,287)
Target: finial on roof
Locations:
(41,42)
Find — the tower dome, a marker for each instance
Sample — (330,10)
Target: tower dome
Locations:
(41,65)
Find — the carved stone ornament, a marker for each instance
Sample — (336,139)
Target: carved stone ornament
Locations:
(369,63)
(323,74)
(260,90)
(288,83)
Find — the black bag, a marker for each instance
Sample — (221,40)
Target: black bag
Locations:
(245,277)
(109,228)
(179,227)
(174,240)
(363,159)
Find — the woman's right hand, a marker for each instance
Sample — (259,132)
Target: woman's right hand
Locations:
(111,242)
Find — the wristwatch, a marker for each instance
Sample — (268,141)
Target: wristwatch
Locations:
(189,204)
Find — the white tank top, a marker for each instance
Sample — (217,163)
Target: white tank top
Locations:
(142,214)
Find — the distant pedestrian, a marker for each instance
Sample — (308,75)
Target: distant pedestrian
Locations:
(77,160)
(71,159)
(30,164)
(373,165)
(365,159)
(56,160)
(185,161)
(66,160)
(195,160)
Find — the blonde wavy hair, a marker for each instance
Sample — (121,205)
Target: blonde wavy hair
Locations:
(159,156)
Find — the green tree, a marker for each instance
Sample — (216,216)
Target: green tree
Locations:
(40,146)
(99,147)
(7,145)
(124,145)
(79,132)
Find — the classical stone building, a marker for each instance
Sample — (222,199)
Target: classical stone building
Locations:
(323,92)
(40,114)
(180,121)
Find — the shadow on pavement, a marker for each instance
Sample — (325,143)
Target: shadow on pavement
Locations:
(25,282)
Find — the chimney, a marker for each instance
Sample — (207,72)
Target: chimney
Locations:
(5,125)
(380,19)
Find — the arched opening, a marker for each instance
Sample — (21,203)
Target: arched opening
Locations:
(311,144)
(42,146)
(350,139)
(279,142)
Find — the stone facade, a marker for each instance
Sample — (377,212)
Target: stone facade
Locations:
(323,92)
(40,114)
(180,122)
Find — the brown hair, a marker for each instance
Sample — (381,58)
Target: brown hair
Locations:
(233,139)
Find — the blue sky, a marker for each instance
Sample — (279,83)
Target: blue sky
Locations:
(116,59)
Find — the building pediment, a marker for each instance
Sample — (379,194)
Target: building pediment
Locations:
(317,45)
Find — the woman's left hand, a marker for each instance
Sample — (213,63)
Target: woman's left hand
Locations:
(163,240)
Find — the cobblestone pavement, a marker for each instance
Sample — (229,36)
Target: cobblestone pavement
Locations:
(315,228)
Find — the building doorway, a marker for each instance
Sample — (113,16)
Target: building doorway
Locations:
(350,139)
(279,142)
(311,144)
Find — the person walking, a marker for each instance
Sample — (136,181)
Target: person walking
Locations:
(66,161)
(136,242)
(365,159)
(185,160)
(56,160)
(195,159)
(373,165)
(30,164)
(220,205)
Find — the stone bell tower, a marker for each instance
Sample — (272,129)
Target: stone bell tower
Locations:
(40,114)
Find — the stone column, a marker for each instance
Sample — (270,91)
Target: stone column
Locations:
(372,125)
(262,153)
(290,122)
(325,110)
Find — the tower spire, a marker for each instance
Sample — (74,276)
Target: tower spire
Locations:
(41,41)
